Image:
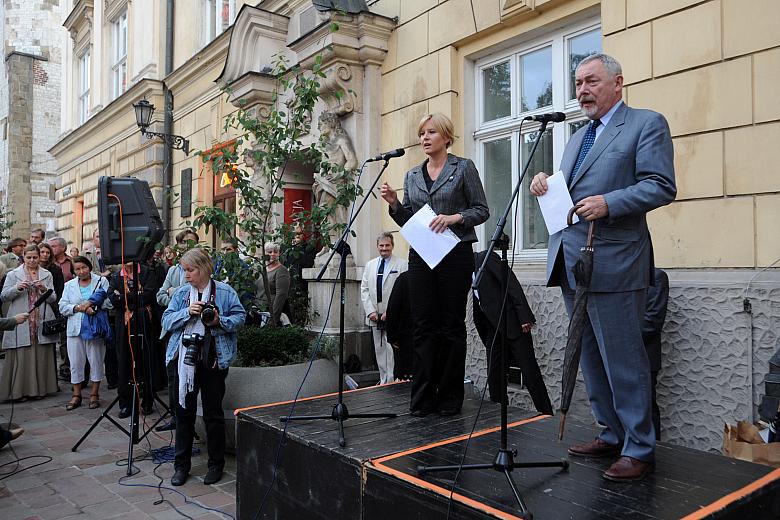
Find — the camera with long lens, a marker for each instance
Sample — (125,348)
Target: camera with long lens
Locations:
(208,313)
(192,344)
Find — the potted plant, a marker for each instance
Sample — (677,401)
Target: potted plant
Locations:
(270,366)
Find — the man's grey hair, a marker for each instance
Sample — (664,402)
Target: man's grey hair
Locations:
(61,241)
(385,235)
(611,64)
(271,246)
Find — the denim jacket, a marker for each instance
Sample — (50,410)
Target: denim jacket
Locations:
(231,318)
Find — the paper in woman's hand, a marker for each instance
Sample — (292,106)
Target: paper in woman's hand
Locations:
(556,203)
(431,246)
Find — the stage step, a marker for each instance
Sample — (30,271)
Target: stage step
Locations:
(375,476)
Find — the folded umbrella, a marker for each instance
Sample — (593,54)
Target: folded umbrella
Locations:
(582,270)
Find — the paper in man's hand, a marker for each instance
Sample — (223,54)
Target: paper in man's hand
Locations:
(556,203)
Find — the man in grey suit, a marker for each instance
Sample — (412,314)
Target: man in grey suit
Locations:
(618,167)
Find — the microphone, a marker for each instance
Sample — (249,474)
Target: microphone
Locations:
(398,152)
(550,117)
(41,299)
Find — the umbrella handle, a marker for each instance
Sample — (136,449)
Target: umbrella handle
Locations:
(570,215)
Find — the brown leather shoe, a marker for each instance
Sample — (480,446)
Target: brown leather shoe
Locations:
(627,469)
(595,449)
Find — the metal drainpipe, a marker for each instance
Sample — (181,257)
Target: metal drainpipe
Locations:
(168,111)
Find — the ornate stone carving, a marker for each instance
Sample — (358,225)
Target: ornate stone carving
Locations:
(360,41)
(510,8)
(80,20)
(257,38)
(340,151)
(338,90)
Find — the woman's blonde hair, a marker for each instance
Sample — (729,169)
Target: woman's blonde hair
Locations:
(198,258)
(442,124)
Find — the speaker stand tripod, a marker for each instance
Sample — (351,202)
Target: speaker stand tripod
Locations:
(137,387)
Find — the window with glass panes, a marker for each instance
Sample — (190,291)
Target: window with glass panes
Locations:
(533,78)
(218,16)
(119,56)
(83,101)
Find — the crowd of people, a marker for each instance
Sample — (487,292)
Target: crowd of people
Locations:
(174,303)
(617,168)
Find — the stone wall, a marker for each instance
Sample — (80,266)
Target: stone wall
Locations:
(3,118)
(47,79)
(715,355)
(19,68)
(30,84)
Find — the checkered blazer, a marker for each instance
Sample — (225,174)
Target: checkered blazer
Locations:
(457,189)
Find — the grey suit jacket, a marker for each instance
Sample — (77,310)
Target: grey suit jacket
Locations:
(632,165)
(457,189)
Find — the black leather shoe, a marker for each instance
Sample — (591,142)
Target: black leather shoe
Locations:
(167,427)
(447,412)
(112,385)
(124,413)
(421,412)
(213,475)
(179,477)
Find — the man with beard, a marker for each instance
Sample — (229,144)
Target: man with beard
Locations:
(617,168)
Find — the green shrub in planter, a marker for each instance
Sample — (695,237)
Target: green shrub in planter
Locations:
(328,348)
(272,346)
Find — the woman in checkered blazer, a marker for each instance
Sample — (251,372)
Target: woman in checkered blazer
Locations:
(451,186)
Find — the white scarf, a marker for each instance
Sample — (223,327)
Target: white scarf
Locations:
(185,371)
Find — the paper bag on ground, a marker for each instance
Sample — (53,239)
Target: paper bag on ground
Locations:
(744,442)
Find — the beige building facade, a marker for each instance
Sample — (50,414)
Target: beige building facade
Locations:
(711,67)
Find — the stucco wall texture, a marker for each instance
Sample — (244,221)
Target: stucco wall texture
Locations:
(715,356)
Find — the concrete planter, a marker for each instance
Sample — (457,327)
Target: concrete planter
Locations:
(252,386)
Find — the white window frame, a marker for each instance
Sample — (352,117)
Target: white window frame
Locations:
(510,125)
(212,18)
(119,35)
(83,85)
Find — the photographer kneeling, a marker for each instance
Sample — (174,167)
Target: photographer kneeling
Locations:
(202,317)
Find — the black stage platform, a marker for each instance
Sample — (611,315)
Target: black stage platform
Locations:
(374,477)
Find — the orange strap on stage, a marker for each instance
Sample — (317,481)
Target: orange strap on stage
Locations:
(239,410)
(734,496)
(378,464)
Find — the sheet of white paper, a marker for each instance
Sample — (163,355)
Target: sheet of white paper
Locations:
(556,203)
(431,246)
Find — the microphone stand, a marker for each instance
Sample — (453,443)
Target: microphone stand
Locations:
(504,461)
(138,347)
(340,412)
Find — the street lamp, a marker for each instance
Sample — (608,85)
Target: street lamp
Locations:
(143,118)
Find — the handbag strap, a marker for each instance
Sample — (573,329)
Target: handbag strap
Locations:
(97,284)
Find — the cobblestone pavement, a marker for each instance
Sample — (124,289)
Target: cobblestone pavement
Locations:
(86,484)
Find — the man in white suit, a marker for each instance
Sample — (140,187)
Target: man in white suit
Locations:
(379,276)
